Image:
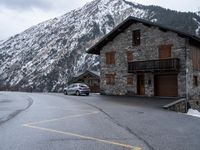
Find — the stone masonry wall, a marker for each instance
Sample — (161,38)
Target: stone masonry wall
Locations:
(193,91)
(151,39)
(195,104)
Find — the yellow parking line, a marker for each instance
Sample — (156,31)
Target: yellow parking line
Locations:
(65,107)
(71,109)
(85,137)
(56,119)
(31,125)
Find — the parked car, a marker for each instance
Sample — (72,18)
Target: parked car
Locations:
(77,89)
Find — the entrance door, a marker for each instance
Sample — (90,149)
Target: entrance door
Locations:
(140,85)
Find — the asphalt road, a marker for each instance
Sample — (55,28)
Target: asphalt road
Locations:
(39,121)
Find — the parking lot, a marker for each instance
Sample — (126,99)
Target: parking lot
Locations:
(57,121)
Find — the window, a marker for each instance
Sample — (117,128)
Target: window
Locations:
(129,56)
(130,80)
(195,81)
(164,51)
(110,79)
(110,58)
(136,37)
(196,59)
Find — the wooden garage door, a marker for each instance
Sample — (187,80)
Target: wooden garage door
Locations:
(166,85)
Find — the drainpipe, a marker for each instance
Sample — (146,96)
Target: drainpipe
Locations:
(186,71)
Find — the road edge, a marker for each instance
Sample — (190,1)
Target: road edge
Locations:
(15,113)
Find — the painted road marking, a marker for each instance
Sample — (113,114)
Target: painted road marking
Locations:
(32,125)
(73,106)
(71,109)
(85,137)
(57,119)
(67,108)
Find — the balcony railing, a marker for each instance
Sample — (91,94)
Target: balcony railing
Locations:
(161,65)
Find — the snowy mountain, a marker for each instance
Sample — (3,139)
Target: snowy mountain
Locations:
(1,41)
(45,56)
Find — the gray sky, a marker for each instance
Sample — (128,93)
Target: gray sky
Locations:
(18,15)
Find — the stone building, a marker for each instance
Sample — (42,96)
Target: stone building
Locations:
(90,78)
(144,58)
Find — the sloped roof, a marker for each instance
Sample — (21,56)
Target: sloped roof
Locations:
(95,49)
(96,74)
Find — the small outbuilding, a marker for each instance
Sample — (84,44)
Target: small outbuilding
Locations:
(90,78)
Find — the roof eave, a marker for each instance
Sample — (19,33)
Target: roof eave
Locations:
(125,24)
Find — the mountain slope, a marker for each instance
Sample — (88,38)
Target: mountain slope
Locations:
(45,56)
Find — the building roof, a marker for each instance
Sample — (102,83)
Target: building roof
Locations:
(95,74)
(95,49)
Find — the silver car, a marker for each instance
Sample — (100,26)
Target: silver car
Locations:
(77,89)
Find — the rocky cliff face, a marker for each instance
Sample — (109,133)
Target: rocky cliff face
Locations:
(46,56)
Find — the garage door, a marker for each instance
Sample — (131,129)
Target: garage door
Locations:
(166,85)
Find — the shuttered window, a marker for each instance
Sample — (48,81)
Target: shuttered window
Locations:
(129,56)
(110,79)
(195,81)
(196,59)
(110,58)
(136,37)
(130,80)
(164,51)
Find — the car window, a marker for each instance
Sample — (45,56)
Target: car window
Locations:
(70,86)
(82,85)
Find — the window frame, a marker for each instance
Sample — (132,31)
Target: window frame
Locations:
(110,57)
(129,55)
(195,80)
(136,37)
(130,80)
(110,79)
(195,59)
(164,47)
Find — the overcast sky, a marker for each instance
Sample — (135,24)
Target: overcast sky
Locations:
(18,15)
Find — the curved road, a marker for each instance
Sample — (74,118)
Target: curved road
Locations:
(39,121)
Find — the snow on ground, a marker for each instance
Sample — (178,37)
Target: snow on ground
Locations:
(193,112)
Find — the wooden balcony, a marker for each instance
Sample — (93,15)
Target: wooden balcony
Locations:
(160,65)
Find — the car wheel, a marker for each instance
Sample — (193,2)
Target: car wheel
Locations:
(65,92)
(87,94)
(77,93)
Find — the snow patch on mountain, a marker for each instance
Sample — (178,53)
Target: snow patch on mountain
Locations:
(56,48)
(198,28)
(46,56)
(1,41)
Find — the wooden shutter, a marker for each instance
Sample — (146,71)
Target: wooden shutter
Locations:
(165,51)
(196,59)
(136,37)
(130,80)
(110,79)
(110,58)
(129,56)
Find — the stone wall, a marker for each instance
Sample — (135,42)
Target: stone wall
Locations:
(151,38)
(195,104)
(178,106)
(182,105)
(193,91)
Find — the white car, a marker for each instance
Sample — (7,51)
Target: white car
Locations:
(77,89)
